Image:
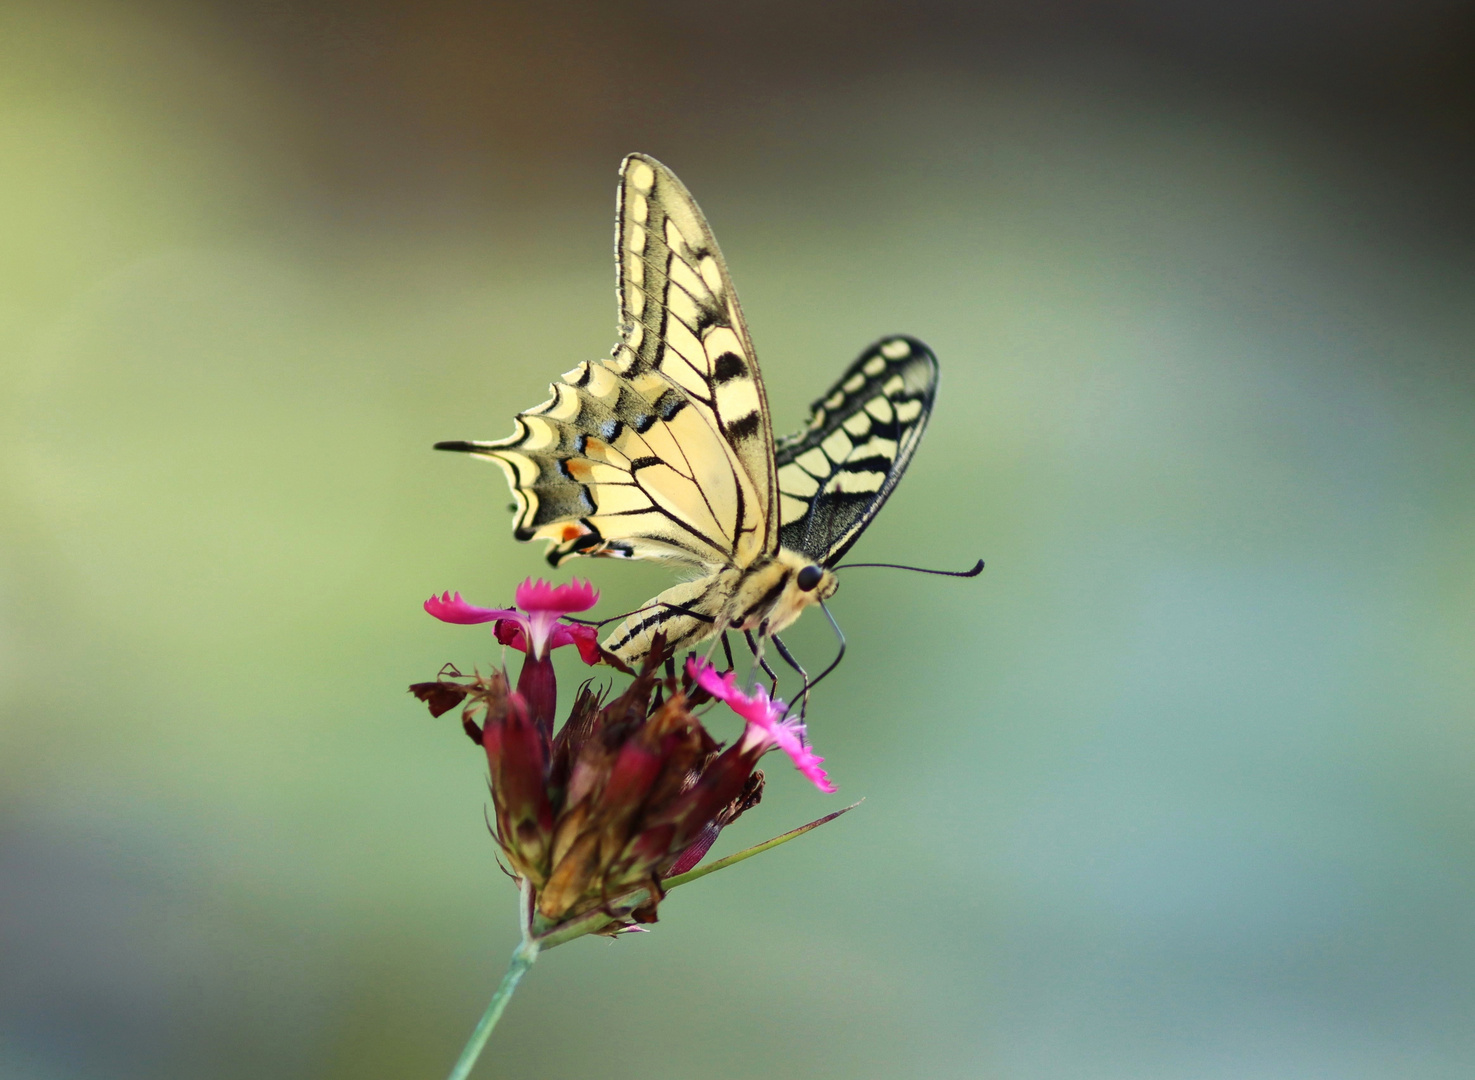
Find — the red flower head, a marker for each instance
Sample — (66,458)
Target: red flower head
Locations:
(629,793)
(626,794)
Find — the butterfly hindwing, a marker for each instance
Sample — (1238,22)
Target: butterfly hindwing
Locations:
(834,475)
(602,468)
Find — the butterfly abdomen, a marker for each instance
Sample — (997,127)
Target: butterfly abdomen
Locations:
(764,597)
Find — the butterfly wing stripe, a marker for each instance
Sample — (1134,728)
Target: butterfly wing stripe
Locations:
(654,263)
(644,268)
(681,322)
(835,475)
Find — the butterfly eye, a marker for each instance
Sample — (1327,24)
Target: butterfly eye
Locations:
(808,578)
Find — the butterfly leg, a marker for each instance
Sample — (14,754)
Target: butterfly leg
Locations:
(789,659)
(758,658)
(727,652)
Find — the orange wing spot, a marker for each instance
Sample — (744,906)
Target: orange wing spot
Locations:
(573,532)
(595,449)
(578,470)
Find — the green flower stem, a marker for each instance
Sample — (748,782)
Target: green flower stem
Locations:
(537,937)
(522,959)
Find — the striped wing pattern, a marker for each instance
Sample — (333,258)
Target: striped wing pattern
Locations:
(680,323)
(834,476)
(666,450)
(616,466)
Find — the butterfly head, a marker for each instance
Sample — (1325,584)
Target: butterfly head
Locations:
(810,577)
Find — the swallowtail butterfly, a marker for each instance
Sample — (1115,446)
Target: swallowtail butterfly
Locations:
(667,452)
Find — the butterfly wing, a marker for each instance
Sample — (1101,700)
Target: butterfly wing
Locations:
(605,467)
(681,325)
(835,475)
(665,451)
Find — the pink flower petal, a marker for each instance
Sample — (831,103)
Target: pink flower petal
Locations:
(765,717)
(510,632)
(539,596)
(788,736)
(755,708)
(455,610)
(583,638)
(541,624)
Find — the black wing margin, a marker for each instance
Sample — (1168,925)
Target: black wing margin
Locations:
(834,476)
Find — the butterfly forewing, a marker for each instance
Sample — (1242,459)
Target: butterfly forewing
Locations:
(683,331)
(834,475)
(665,451)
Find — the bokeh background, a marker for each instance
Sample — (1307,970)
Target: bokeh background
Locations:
(1182,787)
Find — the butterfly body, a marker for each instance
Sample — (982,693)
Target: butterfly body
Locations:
(764,597)
(665,451)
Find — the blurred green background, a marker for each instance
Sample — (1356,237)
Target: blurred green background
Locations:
(1180,788)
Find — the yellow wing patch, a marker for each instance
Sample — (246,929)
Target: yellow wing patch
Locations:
(681,325)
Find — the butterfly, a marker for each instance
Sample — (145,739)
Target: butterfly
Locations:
(666,450)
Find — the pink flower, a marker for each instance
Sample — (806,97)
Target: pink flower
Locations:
(539,622)
(767,725)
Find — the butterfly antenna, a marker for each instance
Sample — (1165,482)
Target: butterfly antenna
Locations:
(840,634)
(974,572)
(598,623)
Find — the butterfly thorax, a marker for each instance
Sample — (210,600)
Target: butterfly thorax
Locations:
(768,595)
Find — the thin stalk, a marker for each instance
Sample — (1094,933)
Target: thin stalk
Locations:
(522,959)
(593,921)
(756,849)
